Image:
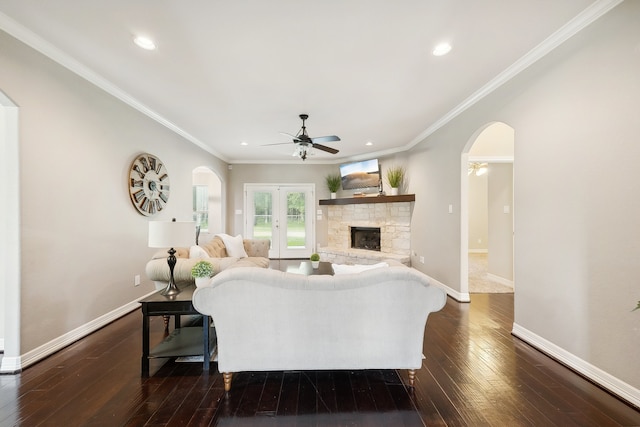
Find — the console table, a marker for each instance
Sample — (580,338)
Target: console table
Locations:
(182,341)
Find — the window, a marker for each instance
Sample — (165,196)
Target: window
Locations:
(201,206)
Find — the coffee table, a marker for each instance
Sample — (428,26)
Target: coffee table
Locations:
(182,341)
(306,269)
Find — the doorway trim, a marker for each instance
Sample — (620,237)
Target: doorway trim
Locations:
(10,230)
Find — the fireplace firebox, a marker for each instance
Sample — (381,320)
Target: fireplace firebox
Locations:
(365,238)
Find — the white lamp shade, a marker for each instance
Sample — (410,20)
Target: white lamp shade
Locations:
(169,234)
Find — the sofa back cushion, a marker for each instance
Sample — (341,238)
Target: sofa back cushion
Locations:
(215,248)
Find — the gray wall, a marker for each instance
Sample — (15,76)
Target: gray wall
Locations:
(298,173)
(82,240)
(575,194)
(478,213)
(500,220)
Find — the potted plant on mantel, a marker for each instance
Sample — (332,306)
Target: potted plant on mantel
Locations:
(395,178)
(202,271)
(333,183)
(315,260)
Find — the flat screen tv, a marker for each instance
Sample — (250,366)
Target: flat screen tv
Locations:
(358,175)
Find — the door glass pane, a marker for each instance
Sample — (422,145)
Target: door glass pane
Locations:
(296,234)
(262,215)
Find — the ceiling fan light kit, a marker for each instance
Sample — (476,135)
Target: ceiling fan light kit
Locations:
(478,168)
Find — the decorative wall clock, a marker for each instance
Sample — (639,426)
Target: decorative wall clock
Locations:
(148,184)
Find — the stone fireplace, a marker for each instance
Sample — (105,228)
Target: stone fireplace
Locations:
(390,219)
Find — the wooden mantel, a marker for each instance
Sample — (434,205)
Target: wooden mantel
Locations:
(369,199)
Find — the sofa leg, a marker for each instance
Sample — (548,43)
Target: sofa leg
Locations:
(412,377)
(227,380)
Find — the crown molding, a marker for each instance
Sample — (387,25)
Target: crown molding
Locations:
(577,24)
(36,42)
(571,28)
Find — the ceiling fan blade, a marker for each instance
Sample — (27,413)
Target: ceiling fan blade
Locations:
(295,138)
(325,148)
(277,143)
(328,138)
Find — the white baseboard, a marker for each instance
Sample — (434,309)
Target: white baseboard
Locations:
(12,365)
(500,280)
(478,251)
(458,296)
(593,373)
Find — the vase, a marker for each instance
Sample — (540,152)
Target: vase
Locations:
(333,195)
(202,281)
(394,191)
(315,264)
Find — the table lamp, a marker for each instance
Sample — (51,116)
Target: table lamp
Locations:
(168,234)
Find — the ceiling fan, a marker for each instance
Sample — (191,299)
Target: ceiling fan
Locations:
(478,168)
(305,142)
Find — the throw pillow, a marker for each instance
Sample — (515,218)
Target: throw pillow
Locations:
(196,252)
(358,268)
(234,245)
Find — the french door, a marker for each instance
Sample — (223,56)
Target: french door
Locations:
(282,213)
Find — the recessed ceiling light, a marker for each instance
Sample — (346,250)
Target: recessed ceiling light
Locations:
(369,143)
(144,42)
(244,143)
(442,49)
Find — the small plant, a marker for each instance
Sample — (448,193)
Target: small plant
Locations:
(333,182)
(395,176)
(637,307)
(202,269)
(314,257)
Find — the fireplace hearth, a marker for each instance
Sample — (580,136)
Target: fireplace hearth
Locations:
(365,238)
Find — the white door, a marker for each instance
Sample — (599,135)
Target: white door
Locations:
(282,213)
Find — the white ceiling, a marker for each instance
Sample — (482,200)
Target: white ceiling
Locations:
(231,71)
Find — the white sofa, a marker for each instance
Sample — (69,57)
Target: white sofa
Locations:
(268,320)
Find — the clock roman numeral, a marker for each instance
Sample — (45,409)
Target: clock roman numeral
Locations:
(145,204)
(138,195)
(152,163)
(135,183)
(164,187)
(152,207)
(163,177)
(158,168)
(163,197)
(158,205)
(137,169)
(145,165)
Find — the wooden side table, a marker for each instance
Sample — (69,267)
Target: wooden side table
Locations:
(183,341)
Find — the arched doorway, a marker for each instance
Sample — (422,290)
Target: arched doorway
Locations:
(487,210)
(10,237)
(208,206)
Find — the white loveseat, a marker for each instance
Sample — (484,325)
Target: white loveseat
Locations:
(268,320)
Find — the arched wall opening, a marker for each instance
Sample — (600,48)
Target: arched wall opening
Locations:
(487,207)
(208,203)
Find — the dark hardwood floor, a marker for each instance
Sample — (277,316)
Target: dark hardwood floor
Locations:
(475,373)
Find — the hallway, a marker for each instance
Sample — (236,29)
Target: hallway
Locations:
(479,280)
